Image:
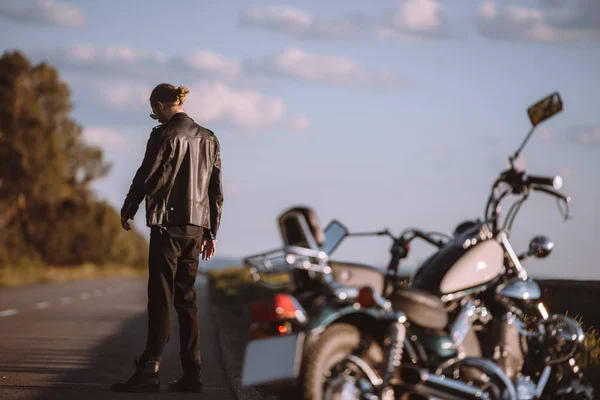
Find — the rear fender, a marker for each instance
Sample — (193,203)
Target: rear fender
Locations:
(363,318)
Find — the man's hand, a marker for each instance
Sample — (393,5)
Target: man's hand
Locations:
(125,223)
(208,248)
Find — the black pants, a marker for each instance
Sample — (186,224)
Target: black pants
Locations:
(173,266)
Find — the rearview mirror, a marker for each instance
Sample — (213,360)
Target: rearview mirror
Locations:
(334,234)
(545,108)
(540,246)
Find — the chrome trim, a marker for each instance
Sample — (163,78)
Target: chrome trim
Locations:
(463,322)
(471,291)
(543,381)
(526,388)
(520,289)
(512,256)
(470,312)
(540,246)
(514,320)
(491,368)
(441,386)
(300,313)
(345,293)
(369,372)
(387,305)
(576,337)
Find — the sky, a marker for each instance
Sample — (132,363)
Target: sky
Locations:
(379,114)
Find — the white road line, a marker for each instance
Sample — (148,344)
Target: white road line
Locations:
(66,300)
(42,305)
(85,296)
(7,313)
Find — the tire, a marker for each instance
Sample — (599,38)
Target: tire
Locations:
(581,390)
(337,342)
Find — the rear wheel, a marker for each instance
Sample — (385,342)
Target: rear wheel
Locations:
(329,374)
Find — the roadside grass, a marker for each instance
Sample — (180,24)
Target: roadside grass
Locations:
(234,286)
(27,274)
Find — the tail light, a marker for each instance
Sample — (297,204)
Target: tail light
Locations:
(281,306)
(271,317)
(366,298)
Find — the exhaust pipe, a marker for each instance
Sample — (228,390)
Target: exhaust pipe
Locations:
(423,382)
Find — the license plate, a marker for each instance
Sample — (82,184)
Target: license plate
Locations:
(273,360)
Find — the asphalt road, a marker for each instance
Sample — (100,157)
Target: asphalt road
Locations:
(71,341)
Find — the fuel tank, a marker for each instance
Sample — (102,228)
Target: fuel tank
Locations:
(471,259)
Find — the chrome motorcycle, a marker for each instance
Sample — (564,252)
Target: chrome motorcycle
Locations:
(491,299)
(320,337)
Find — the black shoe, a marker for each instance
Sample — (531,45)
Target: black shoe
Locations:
(145,379)
(190,382)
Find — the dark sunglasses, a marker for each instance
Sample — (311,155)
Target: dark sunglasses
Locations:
(152,115)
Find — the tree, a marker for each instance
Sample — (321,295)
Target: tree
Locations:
(48,212)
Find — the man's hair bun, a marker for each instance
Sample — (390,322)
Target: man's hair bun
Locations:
(167,93)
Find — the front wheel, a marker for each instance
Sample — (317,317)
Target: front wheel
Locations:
(329,374)
(569,385)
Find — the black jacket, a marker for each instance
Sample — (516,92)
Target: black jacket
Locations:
(180,177)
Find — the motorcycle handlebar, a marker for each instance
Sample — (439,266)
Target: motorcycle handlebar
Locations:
(555,182)
(552,193)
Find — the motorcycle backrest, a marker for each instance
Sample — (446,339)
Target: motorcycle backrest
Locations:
(299,226)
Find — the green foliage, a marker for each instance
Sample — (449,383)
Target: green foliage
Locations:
(48,213)
(234,285)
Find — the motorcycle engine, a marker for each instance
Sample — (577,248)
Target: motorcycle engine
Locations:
(506,346)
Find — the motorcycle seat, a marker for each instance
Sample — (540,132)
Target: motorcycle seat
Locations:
(421,308)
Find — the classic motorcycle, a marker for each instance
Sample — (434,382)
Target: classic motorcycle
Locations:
(471,298)
(495,309)
(324,340)
(478,275)
(285,325)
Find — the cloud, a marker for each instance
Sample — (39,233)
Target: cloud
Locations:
(208,101)
(216,64)
(119,76)
(109,139)
(298,123)
(414,20)
(124,61)
(44,12)
(589,135)
(545,135)
(296,64)
(552,25)
(246,109)
(122,95)
(296,22)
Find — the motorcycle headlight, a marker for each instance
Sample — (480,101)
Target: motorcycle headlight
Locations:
(564,337)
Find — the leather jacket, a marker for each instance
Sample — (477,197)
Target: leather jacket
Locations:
(180,177)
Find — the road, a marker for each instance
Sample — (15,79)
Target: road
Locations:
(72,340)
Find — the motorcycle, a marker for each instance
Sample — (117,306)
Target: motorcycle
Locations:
(470,325)
(328,349)
(493,307)
(285,325)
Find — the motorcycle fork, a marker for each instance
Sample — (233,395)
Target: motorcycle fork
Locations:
(394,347)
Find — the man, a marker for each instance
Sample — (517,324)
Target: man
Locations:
(180,178)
